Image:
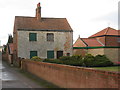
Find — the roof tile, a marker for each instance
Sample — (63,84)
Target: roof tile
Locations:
(44,24)
(106,31)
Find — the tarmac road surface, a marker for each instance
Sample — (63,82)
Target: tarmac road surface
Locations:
(13,79)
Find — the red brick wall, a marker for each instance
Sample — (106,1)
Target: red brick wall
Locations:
(111,41)
(79,43)
(82,52)
(72,77)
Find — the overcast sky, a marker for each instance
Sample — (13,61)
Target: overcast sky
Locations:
(86,17)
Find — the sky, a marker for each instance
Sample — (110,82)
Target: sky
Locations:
(86,17)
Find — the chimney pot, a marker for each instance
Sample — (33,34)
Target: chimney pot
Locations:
(38,5)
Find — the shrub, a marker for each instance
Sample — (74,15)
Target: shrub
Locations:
(53,61)
(102,60)
(89,60)
(36,58)
(64,58)
(73,60)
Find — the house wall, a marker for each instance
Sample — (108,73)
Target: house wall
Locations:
(79,52)
(112,41)
(109,40)
(96,51)
(1,47)
(66,76)
(62,41)
(113,54)
(0,56)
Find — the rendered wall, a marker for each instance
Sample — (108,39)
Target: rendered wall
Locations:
(113,54)
(72,77)
(62,41)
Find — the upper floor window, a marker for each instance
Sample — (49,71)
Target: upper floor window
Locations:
(50,37)
(32,36)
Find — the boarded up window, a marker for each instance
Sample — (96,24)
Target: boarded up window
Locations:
(33,53)
(50,54)
(32,36)
(50,37)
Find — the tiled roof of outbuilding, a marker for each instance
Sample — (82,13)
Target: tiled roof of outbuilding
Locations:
(45,23)
(92,42)
(87,42)
(106,31)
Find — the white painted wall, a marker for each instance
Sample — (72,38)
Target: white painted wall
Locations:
(62,41)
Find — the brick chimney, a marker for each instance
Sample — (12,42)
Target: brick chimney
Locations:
(38,12)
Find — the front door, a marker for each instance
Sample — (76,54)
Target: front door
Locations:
(59,54)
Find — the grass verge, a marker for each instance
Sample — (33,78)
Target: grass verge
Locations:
(112,68)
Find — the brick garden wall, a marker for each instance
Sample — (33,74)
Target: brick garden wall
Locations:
(72,77)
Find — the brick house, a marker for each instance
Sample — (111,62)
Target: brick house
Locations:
(1,47)
(105,42)
(9,53)
(43,37)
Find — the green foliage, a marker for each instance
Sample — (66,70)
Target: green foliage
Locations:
(102,60)
(36,58)
(77,60)
(98,60)
(73,60)
(64,58)
(89,60)
(53,61)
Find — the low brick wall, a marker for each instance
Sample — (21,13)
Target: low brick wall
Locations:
(72,77)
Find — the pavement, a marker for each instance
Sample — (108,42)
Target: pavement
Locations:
(10,78)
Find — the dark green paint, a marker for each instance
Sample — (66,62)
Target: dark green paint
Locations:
(96,47)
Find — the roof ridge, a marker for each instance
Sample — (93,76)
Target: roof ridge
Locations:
(106,31)
(52,18)
(84,42)
(25,16)
(41,17)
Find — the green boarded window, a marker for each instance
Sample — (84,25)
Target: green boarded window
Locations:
(33,53)
(32,36)
(50,54)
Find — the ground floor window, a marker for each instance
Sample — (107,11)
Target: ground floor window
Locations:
(33,53)
(59,54)
(50,54)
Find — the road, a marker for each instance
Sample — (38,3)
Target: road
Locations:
(11,78)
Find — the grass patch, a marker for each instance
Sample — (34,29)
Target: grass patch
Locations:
(112,68)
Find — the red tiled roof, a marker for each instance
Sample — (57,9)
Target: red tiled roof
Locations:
(44,24)
(92,42)
(106,31)
(79,43)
